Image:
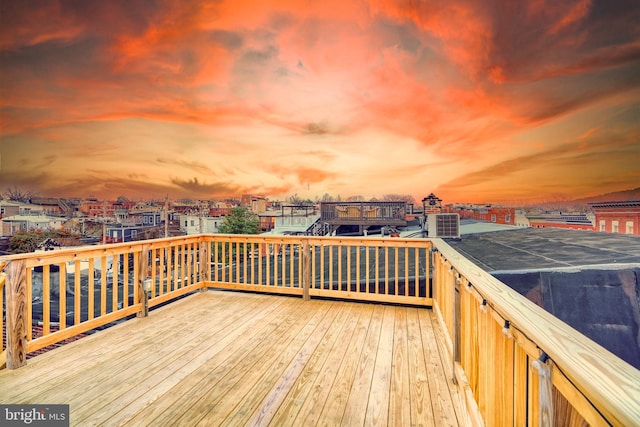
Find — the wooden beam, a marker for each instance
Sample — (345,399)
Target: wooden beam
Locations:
(306,270)
(143,264)
(610,384)
(17,318)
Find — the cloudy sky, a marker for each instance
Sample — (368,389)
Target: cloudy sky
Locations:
(476,100)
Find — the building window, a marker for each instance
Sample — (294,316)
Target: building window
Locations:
(629,227)
(507,218)
(603,225)
(493,218)
(193,223)
(614,226)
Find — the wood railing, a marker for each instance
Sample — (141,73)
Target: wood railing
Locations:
(59,294)
(517,364)
(3,353)
(63,293)
(383,270)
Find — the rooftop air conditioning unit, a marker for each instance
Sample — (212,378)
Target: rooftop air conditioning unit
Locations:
(444,225)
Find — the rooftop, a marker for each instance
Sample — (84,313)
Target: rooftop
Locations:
(537,248)
(589,280)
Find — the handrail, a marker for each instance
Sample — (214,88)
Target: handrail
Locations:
(366,269)
(88,287)
(602,388)
(105,283)
(3,353)
(581,367)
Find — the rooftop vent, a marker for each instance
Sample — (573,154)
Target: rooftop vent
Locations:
(445,225)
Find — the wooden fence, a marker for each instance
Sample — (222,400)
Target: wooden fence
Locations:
(382,270)
(519,364)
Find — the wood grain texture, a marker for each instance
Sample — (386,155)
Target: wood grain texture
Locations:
(607,383)
(249,359)
(17,316)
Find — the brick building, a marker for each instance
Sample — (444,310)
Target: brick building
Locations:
(573,221)
(496,215)
(621,217)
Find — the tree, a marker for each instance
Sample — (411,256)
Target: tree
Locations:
(240,221)
(28,241)
(17,194)
(398,198)
(326,197)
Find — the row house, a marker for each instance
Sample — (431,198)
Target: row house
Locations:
(8,209)
(50,206)
(257,204)
(621,217)
(496,215)
(94,208)
(147,218)
(195,224)
(572,221)
(17,223)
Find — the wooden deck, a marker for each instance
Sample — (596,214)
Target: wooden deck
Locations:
(228,358)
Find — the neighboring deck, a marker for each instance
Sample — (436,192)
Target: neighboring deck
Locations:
(222,357)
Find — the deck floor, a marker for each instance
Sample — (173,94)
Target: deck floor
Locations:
(231,358)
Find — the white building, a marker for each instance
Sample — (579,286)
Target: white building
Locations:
(16,223)
(195,224)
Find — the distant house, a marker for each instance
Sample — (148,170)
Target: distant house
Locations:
(50,205)
(621,217)
(9,209)
(122,233)
(147,218)
(488,213)
(194,224)
(257,204)
(573,221)
(16,223)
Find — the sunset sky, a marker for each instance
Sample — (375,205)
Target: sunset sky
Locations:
(476,101)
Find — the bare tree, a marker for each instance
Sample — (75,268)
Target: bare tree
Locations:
(326,197)
(295,199)
(17,194)
(398,198)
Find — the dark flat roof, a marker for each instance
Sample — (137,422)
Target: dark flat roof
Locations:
(539,248)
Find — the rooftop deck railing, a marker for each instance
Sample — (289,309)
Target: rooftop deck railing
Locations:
(363,211)
(518,364)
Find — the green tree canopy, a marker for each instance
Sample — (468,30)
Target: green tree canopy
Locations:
(240,221)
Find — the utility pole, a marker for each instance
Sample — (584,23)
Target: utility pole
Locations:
(166,216)
(201,212)
(104,222)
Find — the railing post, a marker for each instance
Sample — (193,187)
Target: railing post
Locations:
(205,268)
(16,284)
(545,388)
(455,327)
(143,297)
(306,270)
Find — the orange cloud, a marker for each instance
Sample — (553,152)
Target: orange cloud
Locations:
(212,97)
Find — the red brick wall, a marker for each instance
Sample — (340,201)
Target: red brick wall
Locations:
(622,216)
(544,224)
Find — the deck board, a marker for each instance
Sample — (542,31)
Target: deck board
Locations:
(231,358)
